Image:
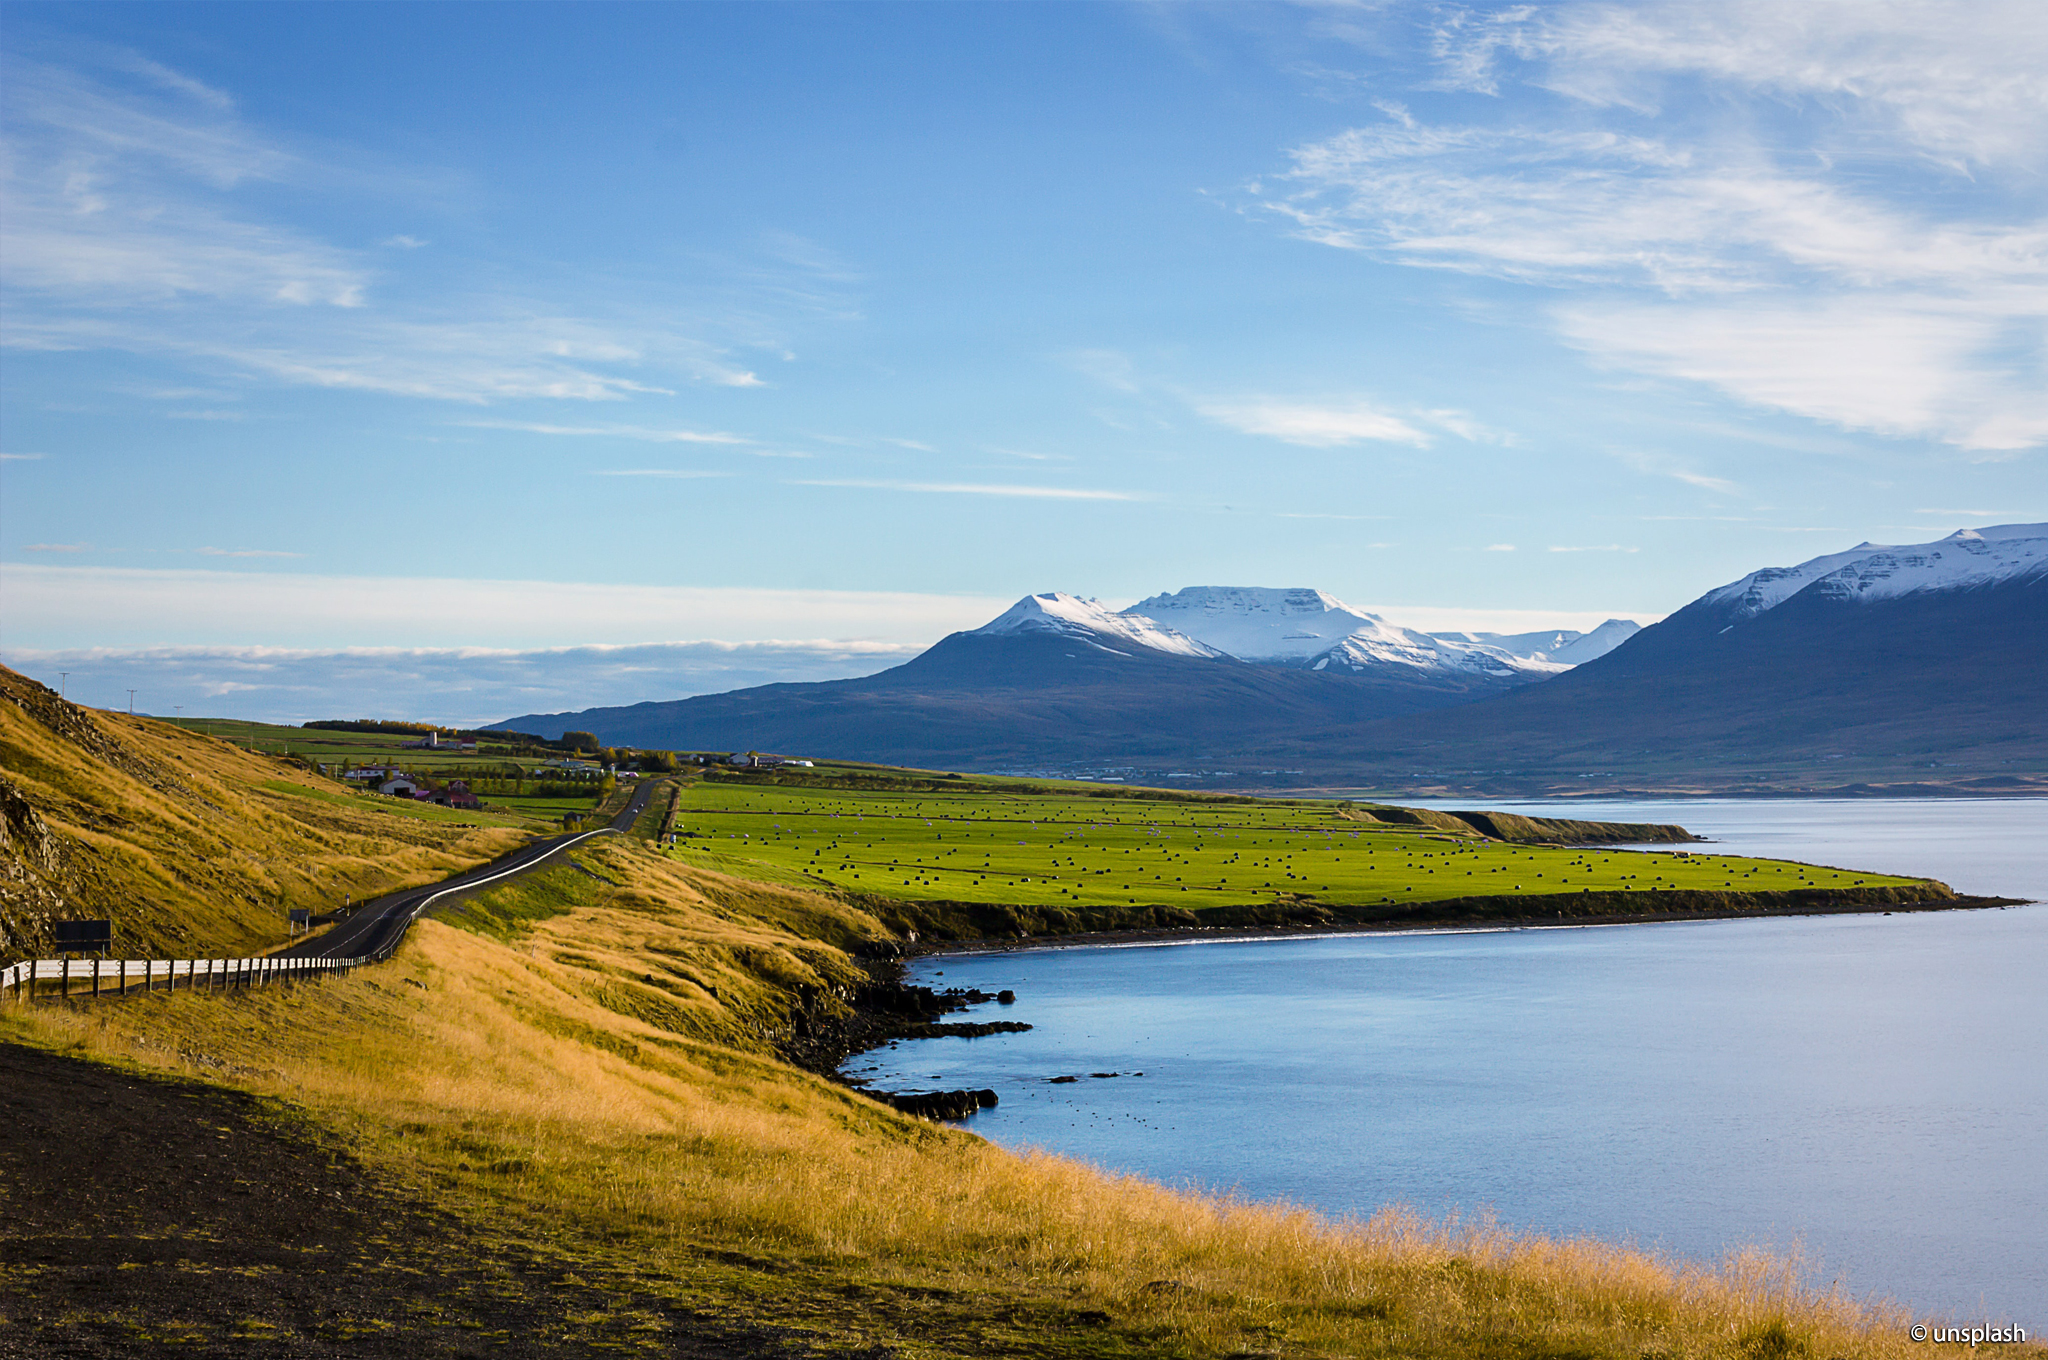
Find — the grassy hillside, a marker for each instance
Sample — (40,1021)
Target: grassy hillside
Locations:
(585,1063)
(190,844)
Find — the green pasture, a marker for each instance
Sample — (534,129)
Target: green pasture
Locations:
(360,748)
(1063,849)
(494,815)
(548,809)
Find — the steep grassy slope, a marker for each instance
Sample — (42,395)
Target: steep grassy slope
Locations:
(590,1068)
(190,845)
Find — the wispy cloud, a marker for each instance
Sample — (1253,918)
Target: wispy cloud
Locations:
(21,457)
(1909,302)
(49,605)
(1313,425)
(457,685)
(1603,548)
(639,432)
(1500,547)
(245,552)
(661,472)
(1052,493)
(131,225)
(1031,457)
(1663,465)
(1109,367)
(57,547)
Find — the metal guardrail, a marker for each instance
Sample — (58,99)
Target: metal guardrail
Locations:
(164,974)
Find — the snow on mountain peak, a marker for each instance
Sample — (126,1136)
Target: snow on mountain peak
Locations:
(1069,616)
(1259,623)
(1964,560)
(1302,627)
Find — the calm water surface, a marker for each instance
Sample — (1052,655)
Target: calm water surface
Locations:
(1872,1087)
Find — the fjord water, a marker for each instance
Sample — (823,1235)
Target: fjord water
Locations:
(1872,1088)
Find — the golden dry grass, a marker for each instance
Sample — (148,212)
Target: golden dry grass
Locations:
(193,846)
(594,1065)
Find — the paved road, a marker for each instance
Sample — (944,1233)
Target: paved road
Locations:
(378,924)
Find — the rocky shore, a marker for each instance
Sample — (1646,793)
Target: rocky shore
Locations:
(886,1010)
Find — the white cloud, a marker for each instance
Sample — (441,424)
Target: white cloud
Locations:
(1055,493)
(1664,466)
(1444,619)
(1106,366)
(58,547)
(1313,426)
(458,686)
(21,457)
(403,242)
(44,606)
(130,227)
(640,432)
(245,552)
(1808,157)
(661,472)
(1967,85)
(1893,366)
(1500,547)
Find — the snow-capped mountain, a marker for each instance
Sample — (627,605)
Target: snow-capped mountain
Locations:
(1058,614)
(1316,631)
(1967,559)
(1880,664)
(1563,646)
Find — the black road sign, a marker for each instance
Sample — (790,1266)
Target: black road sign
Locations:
(79,936)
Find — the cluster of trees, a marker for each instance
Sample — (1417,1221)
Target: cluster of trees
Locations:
(392,726)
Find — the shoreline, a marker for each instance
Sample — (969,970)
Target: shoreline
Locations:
(878,1015)
(1461,925)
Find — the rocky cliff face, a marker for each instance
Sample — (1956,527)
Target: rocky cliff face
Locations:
(32,864)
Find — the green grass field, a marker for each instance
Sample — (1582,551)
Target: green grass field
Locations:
(1060,849)
(359,748)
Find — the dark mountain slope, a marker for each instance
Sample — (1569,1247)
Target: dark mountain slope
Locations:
(1955,680)
(977,701)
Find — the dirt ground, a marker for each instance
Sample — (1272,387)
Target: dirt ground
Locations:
(140,1215)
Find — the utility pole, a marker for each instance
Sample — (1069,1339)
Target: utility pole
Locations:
(131,703)
(63,682)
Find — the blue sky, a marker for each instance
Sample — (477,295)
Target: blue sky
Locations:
(459,361)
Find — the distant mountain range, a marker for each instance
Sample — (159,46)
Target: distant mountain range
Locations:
(1872,663)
